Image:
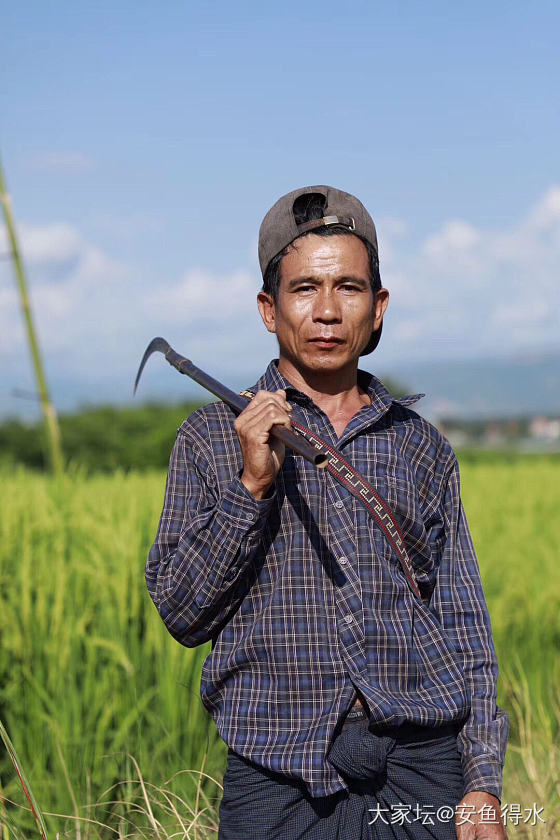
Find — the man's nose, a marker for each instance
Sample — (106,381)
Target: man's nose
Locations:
(326,307)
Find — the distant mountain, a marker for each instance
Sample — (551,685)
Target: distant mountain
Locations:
(469,389)
(493,387)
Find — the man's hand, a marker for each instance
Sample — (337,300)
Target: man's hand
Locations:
(263,454)
(478,817)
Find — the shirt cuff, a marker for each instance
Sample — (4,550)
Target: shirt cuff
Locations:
(241,507)
(483,774)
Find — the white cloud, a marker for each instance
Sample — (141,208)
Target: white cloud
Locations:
(72,283)
(476,291)
(546,214)
(215,316)
(199,294)
(95,314)
(455,236)
(464,291)
(50,244)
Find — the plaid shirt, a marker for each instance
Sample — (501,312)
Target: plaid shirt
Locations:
(306,601)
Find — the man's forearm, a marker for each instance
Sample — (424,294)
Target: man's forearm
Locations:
(204,544)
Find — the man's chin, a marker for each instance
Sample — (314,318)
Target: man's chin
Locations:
(326,361)
(338,356)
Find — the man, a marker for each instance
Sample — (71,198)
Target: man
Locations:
(357,694)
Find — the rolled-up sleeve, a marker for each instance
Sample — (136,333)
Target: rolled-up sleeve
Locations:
(459,600)
(205,542)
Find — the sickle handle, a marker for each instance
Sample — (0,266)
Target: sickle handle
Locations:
(235,401)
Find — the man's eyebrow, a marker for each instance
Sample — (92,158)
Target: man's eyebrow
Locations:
(351,279)
(297,280)
(318,280)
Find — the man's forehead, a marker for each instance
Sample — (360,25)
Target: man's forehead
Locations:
(325,255)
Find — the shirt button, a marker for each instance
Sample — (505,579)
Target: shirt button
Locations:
(250,516)
(348,619)
(343,560)
(339,504)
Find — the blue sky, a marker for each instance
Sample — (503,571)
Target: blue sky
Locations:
(143,143)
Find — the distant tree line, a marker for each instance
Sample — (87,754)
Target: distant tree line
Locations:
(108,437)
(100,439)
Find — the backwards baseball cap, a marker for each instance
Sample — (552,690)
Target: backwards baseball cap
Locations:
(279,228)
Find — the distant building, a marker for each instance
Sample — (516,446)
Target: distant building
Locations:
(546,429)
(529,434)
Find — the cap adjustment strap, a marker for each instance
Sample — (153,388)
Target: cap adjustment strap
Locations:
(326,221)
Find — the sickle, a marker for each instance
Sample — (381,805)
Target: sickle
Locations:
(235,401)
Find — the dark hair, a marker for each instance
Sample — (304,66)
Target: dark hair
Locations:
(307,208)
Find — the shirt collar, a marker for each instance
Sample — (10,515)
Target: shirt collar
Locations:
(381,399)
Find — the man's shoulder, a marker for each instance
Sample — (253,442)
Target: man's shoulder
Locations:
(397,414)
(419,430)
(212,417)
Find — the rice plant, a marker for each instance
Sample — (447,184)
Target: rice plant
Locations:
(89,677)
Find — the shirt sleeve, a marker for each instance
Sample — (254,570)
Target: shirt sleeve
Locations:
(206,540)
(459,600)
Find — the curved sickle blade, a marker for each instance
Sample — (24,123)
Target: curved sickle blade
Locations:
(156,345)
(236,401)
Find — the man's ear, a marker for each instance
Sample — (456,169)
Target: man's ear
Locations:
(267,308)
(380,306)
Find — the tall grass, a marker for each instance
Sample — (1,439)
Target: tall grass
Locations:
(88,673)
(512,509)
(89,677)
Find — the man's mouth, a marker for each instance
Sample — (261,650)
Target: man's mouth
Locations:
(326,342)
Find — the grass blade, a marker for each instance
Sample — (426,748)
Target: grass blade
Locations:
(35,810)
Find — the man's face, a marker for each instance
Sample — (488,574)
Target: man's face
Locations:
(325,309)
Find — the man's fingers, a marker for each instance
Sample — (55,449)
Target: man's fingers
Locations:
(262,453)
(268,415)
(267,412)
(266,398)
(264,420)
(263,395)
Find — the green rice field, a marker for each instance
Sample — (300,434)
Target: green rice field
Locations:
(103,707)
